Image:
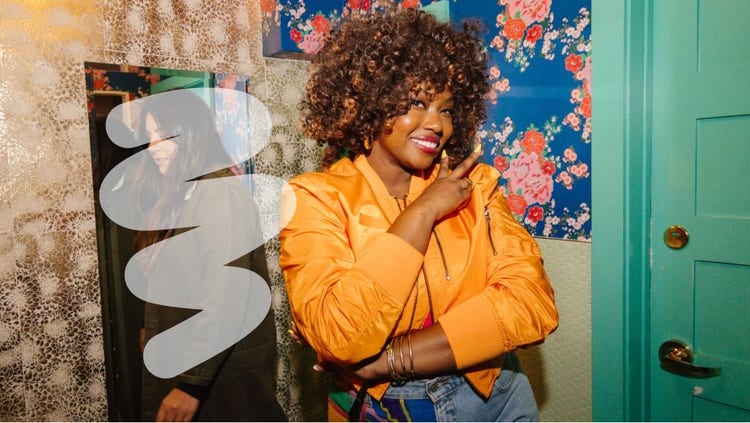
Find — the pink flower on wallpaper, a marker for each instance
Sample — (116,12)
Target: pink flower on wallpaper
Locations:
(538,188)
(570,155)
(520,168)
(581,68)
(573,121)
(565,179)
(586,106)
(548,167)
(499,85)
(535,214)
(295,35)
(516,203)
(321,24)
(529,10)
(494,72)
(514,29)
(585,72)
(580,170)
(312,42)
(573,63)
(533,142)
(500,163)
(534,34)
(498,42)
(525,174)
(491,96)
(502,85)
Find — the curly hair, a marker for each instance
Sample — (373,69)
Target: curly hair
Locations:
(371,65)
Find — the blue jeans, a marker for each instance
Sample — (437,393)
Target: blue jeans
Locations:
(455,400)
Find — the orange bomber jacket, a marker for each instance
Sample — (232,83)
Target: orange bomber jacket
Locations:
(348,280)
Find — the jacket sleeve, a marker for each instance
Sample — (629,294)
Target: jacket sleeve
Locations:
(230,228)
(344,303)
(517,305)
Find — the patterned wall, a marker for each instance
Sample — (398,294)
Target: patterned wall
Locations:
(539,129)
(51,347)
(538,132)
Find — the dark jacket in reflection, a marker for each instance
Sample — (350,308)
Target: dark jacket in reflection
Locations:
(240,382)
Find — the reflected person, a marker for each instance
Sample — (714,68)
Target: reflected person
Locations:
(186,178)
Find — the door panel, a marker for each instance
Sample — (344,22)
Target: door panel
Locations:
(700,294)
(709,411)
(722,292)
(722,148)
(721,31)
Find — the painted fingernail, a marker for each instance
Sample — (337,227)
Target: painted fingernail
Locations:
(443,154)
(478,148)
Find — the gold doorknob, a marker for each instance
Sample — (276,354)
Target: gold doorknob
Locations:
(676,357)
(676,237)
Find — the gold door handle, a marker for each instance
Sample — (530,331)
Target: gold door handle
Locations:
(676,237)
(676,357)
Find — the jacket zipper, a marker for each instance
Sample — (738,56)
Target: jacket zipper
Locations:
(487,218)
(442,255)
(489,229)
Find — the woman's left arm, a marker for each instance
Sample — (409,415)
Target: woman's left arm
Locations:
(517,305)
(516,308)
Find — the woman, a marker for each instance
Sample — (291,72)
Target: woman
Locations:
(208,223)
(411,280)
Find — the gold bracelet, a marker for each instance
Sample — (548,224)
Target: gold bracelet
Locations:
(390,361)
(405,374)
(412,374)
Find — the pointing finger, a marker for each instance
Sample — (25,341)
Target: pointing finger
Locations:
(466,164)
(444,165)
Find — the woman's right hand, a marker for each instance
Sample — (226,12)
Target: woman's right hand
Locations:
(423,352)
(451,190)
(373,369)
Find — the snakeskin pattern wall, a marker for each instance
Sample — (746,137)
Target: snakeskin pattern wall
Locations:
(51,340)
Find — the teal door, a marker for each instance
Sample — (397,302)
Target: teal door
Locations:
(700,293)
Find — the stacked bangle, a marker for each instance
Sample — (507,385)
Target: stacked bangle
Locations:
(405,373)
(411,357)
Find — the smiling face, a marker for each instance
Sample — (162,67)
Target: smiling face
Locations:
(417,137)
(163,150)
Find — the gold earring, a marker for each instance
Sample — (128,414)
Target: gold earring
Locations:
(367,143)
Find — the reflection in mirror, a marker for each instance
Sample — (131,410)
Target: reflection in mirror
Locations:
(109,86)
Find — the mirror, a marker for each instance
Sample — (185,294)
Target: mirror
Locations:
(109,86)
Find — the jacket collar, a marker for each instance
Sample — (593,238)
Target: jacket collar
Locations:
(419,181)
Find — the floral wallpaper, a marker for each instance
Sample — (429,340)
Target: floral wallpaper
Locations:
(538,131)
(299,26)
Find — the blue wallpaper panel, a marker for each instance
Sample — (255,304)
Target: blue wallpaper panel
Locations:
(538,132)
